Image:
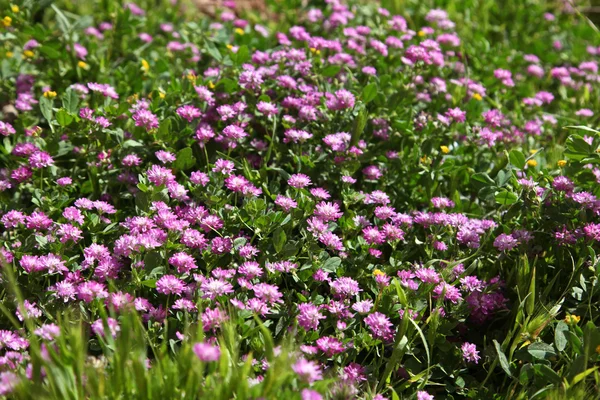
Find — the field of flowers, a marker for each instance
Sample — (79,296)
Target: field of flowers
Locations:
(345,200)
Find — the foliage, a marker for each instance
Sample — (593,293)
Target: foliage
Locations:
(346,202)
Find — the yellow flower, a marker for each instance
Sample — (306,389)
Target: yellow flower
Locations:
(49,94)
(162,95)
(9,54)
(421,33)
(532,163)
(533,151)
(477,96)
(239,31)
(7,21)
(14,8)
(28,54)
(230,46)
(315,51)
(378,272)
(561,163)
(82,64)
(445,149)
(572,319)
(145,65)
(211,85)
(191,77)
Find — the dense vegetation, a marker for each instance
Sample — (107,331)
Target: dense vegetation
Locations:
(355,200)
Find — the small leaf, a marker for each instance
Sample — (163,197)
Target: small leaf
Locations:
(560,338)
(212,50)
(70,101)
(505,197)
(185,159)
(50,52)
(517,159)
(242,55)
(46,109)
(481,179)
(548,373)
(63,117)
(151,283)
(369,93)
(332,264)
(541,350)
(330,71)
(502,358)
(279,239)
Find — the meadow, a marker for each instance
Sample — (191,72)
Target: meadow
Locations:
(315,200)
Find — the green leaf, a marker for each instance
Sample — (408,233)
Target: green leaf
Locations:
(70,101)
(548,373)
(50,52)
(579,377)
(212,50)
(242,55)
(61,19)
(369,92)
(151,283)
(560,338)
(331,70)
(332,264)
(577,148)
(359,123)
(164,129)
(63,117)
(517,159)
(502,358)
(152,260)
(481,179)
(46,109)
(505,197)
(541,350)
(132,143)
(279,239)
(185,159)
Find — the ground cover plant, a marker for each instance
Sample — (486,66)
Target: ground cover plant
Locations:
(353,200)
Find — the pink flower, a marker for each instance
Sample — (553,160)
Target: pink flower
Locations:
(380,326)
(470,352)
(189,112)
(207,352)
(309,316)
(170,284)
(285,202)
(145,119)
(308,371)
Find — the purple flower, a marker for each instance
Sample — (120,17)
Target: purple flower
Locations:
(6,129)
(308,371)
(299,181)
(207,352)
(214,288)
(170,284)
(309,316)
(505,242)
(145,119)
(113,327)
(285,202)
(189,112)
(345,287)
(267,108)
(327,211)
(470,352)
(380,326)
